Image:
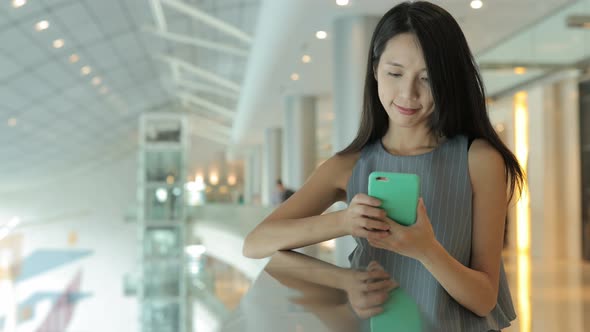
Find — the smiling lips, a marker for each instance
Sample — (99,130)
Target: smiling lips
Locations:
(406,111)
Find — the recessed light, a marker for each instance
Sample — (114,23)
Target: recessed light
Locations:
(306,59)
(342,2)
(520,70)
(41,25)
(74,58)
(476,4)
(86,70)
(295,77)
(12,122)
(96,80)
(58,43)
(321,34)
(18,3)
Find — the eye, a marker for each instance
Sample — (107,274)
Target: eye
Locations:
(425,80)
(394,74)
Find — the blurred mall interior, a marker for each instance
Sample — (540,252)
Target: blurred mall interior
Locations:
(141,140)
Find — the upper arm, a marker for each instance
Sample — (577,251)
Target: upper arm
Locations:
(324,187)
(488,179)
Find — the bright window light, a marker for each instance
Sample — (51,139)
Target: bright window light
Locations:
(8,227)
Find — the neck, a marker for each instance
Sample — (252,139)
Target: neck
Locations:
(408,141)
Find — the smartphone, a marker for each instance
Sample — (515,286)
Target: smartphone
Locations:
(398,192)
(400,313)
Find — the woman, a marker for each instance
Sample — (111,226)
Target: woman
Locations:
(424,112)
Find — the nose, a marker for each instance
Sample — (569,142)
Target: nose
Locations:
(409,89)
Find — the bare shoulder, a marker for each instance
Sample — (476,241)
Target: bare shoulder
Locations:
(486,164)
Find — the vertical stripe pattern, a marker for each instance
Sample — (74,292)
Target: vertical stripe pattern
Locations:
(446,189)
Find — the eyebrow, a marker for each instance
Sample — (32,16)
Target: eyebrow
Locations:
(395,64)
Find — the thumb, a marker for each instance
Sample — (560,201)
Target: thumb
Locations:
(422,214)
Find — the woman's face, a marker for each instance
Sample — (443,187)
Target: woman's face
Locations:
(402,81)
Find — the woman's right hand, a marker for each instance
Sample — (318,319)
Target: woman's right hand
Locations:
(368,290)
(363,216)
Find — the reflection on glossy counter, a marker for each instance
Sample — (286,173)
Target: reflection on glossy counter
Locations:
(299,293)
(295,293)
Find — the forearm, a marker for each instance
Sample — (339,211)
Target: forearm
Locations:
(471,288)
(271,236)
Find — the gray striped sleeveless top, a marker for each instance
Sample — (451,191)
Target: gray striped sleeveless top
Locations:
(446,189)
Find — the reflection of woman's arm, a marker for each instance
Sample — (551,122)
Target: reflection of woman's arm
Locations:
(365,290)
(293,265)
(318,282)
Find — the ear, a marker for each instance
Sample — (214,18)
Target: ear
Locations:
(375,71)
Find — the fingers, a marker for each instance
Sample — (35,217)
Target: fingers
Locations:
(372,299)
(368,211)
(376,274)
(375,225)
(385,285)
(366,200)
(367,313)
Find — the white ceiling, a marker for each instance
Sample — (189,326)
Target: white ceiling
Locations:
(65,124)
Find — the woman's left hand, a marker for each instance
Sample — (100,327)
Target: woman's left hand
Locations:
(413,241)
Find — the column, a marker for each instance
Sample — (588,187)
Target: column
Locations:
(271,168)
(300,144)
(252,175)
(352,36)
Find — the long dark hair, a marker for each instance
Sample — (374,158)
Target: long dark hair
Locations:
(457,87)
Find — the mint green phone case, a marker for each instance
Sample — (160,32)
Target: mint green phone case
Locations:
(400,313)
(398,192)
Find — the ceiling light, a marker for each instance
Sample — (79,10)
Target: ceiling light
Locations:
(18,3)
(58,43)
(41,25)
(85,70)
(476,4)
(342,2)
(295,77)
(104,90)
(321,34)
(520,70)
(74,58)
(306,59)
(96,80)
(12,122)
